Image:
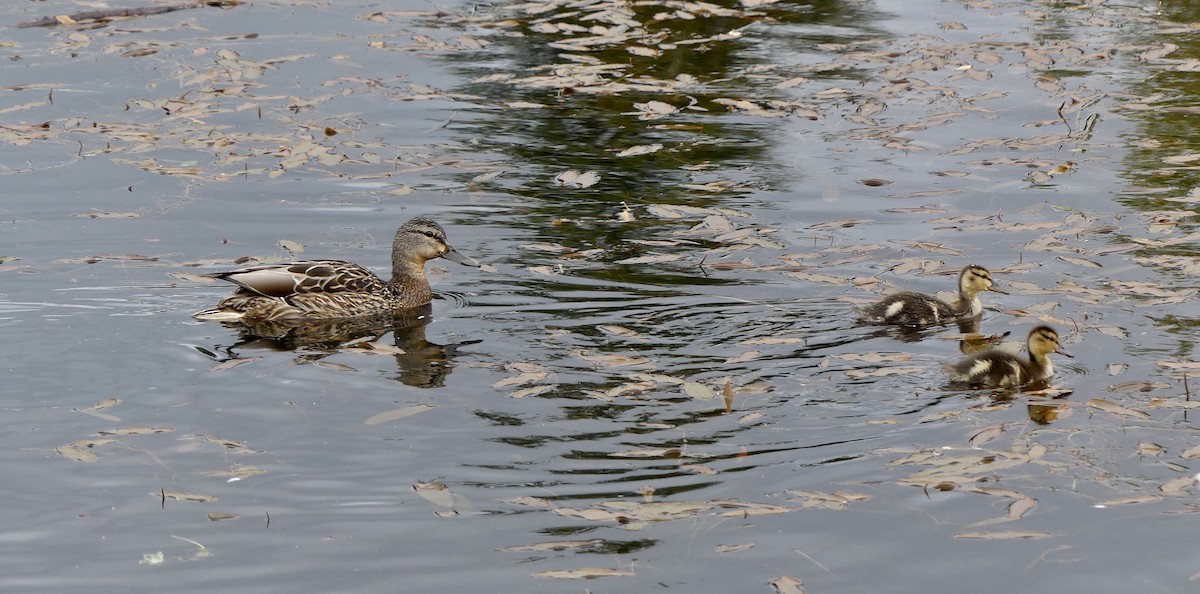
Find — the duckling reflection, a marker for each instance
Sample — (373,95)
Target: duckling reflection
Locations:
(422,364)
(971,341)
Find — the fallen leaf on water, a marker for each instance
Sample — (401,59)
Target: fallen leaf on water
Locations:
(336,366)
(642,149)
(107,215)
(734,548)
(612,360)
(875,357)
(583,573)
(787,585)
(575,179)
(770,340)
(523,378)
(78,454)
(1004,535)
(1179,364)
(1079,262)
(440,495)
(181,496)
(399,413)
(750,418)
(217,516)
(742,358)
(1129,500)
(294,247)
(986,434)
(556,545)
(649,453)
(699,391)
(95,409)
(1116,409)
(652,259)
(231,363)
(137,431)
(1177,486)
(881,372)
(530,391)
(1150,448)
(618,331)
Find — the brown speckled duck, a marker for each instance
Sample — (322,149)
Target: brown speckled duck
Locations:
(1000,367)
(917,310)
(327,289)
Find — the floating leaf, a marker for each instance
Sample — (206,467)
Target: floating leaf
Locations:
(987,434)
(181,496)
(734,548)
(881,372)
(96,214)
(1004,535)
(699,391)
(137,431)
(1116,409)
(556,545)
(294,247)
(583,573)
(643,149)
(231,363)
(78,454)
(397,414)
(787,585)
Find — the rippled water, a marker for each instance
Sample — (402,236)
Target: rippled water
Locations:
(684,399)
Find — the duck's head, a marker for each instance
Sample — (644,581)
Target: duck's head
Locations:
(974,279)
(1043,340)
(422,239)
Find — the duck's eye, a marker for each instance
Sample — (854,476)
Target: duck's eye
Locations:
(429,234)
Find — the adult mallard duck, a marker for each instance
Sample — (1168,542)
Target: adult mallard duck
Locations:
(326,289)
(917,310)
(1001,367)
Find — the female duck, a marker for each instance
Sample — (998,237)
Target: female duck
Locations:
(999,368)
(917,309)
(326,289)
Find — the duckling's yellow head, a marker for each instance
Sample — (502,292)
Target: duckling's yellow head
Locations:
(1043,340)
(974,279)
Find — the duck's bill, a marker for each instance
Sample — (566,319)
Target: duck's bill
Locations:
(453,255)
(994,289)
(1064,353)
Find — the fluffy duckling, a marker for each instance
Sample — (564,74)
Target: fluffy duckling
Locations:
(328,289)
(1001,367)
(917,310)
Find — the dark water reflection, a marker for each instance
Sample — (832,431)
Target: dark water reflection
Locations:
(683,398)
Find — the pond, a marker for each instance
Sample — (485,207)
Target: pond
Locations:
(657,380)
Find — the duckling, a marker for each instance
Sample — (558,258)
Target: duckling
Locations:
(1002,367)
(917,310)
(326,289)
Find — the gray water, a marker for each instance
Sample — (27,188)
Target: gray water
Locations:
(561,413)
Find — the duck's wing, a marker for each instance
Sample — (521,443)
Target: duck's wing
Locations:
(296,278)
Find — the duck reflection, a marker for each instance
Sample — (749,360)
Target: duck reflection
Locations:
(421,363)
